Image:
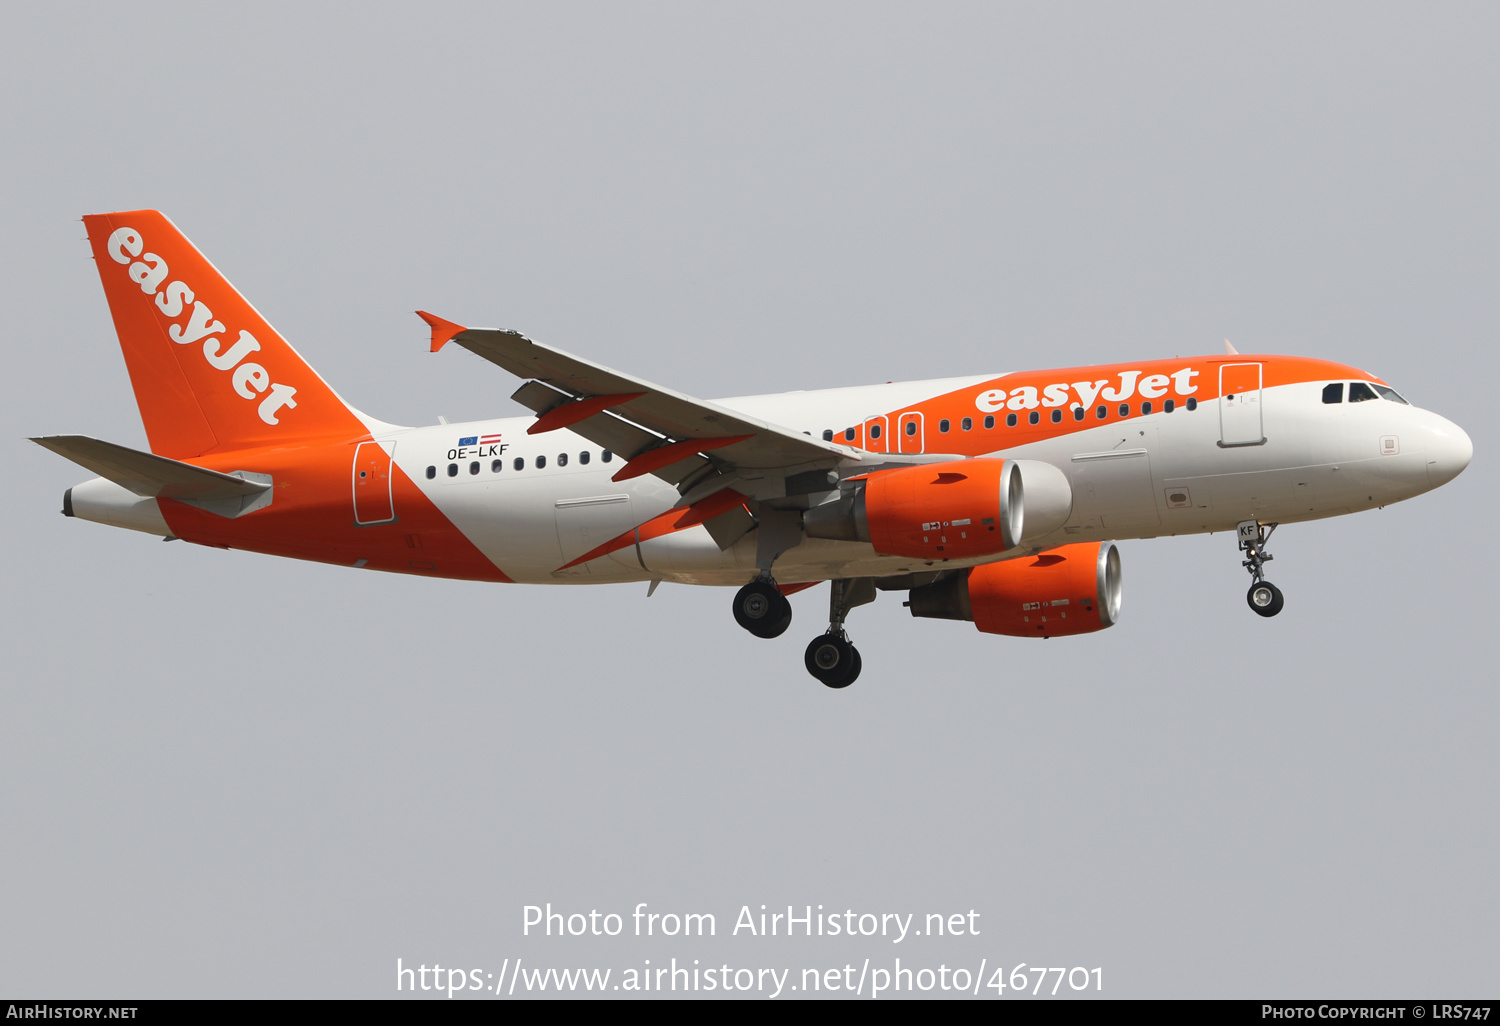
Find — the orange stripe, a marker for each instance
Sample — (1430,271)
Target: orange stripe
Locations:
(956,405)
(312,517)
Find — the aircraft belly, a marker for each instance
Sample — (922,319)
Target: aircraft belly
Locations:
(512,522)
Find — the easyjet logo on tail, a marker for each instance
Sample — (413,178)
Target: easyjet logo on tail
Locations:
(249,380)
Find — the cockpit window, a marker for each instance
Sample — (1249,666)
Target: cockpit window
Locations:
(1390,393)
(1359,392)
(1333,393)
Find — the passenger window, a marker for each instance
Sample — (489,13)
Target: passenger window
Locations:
(1010,420)
(541,462)
(989,422)
(1145,409)
(606,456)
(967,424)
(1102,412)
(474,467)
(1124,409)
(431,473)
(1057,416)
(497,466)
(453,470)
(1333,393)
(849,434)
(1169,406)
(874,430)
(1360,392)
(1078,413)
(1192,404)
(562,459)
(828,435)
(1391,394)
(520,463)
(583,457)
(1034,417)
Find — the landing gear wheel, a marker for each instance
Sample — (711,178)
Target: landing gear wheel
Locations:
(762,610)
(1265,598)
(832,660)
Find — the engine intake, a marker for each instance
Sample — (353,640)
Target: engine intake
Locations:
(1074,589)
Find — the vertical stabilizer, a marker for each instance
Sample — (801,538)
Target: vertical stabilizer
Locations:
(209,372)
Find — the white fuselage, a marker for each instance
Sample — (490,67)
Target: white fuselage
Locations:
(1158,474)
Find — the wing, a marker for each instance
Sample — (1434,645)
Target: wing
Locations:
(679,439)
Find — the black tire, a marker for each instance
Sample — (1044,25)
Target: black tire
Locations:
(1265,598)
(859,664)
(832,660)
(762,610)
(778,628)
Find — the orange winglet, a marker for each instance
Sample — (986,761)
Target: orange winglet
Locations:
(655,459)
(442,331)
(569,414)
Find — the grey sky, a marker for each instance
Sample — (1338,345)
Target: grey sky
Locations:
(223,774)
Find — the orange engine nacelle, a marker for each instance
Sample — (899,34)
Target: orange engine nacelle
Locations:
(945,511)
(1074,589)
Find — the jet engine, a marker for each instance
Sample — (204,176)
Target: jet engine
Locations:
(1074,589)
(958,509)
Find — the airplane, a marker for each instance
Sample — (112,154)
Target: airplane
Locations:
(996,498)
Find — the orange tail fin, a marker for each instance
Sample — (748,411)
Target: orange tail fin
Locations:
(209,372)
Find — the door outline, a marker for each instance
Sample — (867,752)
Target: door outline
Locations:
(376,461)
(1241,413)
(884,441)
(917,442)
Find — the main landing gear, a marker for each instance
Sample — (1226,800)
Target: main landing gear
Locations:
(831,658)
(1264,597)
(764,611)
(761,609)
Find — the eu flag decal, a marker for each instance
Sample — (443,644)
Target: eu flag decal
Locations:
(469,440)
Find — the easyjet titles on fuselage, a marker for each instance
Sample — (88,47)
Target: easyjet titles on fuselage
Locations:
(1029,397)
(250,380)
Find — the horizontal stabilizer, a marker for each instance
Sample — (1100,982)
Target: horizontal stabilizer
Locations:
(158,477)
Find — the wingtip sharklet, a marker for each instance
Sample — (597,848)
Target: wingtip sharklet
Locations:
(442,330)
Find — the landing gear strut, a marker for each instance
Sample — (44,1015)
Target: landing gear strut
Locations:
(761,609)
(831,658)
(1264,597)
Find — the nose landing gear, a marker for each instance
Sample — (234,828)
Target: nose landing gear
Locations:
(1264,597)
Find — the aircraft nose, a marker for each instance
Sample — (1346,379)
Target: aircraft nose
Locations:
(1448,452)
